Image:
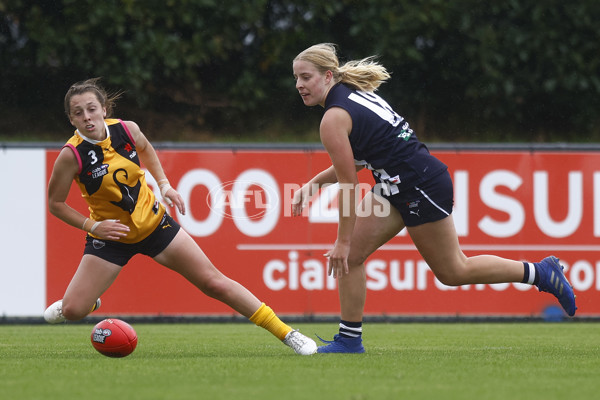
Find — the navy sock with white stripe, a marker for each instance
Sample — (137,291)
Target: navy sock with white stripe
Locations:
(530,275)
(350,329)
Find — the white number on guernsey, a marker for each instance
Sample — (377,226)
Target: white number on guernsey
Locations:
(92,154)
(378,105)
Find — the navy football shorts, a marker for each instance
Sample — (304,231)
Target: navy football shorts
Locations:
(429,201)
(120,253)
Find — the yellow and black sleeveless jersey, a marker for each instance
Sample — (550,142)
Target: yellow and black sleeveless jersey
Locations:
(112,182)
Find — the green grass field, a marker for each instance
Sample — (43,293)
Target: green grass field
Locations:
(240,361)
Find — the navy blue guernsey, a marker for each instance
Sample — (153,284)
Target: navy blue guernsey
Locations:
(383,141)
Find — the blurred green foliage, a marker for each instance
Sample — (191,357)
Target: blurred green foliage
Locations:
(462,70)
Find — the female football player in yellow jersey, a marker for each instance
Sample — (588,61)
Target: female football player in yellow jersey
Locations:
(103,157)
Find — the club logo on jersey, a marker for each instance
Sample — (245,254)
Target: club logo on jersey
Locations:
(129,194)
(99,172)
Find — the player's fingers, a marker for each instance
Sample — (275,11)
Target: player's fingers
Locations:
(180,205)
(296,209)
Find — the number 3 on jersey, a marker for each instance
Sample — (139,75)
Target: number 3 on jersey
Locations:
(92,154)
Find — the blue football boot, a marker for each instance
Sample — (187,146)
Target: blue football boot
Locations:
(553,280)
(341,344)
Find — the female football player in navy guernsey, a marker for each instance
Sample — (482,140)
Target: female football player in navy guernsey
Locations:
(103,157)
(360,130)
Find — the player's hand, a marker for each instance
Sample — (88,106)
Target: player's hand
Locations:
(173,198)
(300,200)
(111,229)
(338,260)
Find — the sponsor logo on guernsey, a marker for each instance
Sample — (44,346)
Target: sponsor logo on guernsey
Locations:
(99,171)
(406,132)
(129,149)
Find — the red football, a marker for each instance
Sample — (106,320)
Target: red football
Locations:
(114,338)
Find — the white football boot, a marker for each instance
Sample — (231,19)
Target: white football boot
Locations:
(301,344)
(54,315)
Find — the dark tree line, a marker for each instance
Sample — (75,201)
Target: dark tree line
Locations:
(462,70)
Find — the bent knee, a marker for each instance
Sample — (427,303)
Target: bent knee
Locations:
(451,277)
(449,280)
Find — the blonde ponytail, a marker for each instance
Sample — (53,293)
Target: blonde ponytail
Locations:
(366,74)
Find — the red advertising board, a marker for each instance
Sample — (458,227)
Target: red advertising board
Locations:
(519,205)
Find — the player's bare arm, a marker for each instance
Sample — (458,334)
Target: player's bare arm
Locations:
(150,159)
(65,169)
(336,125)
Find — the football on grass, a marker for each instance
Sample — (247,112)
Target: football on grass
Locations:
(114,338)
